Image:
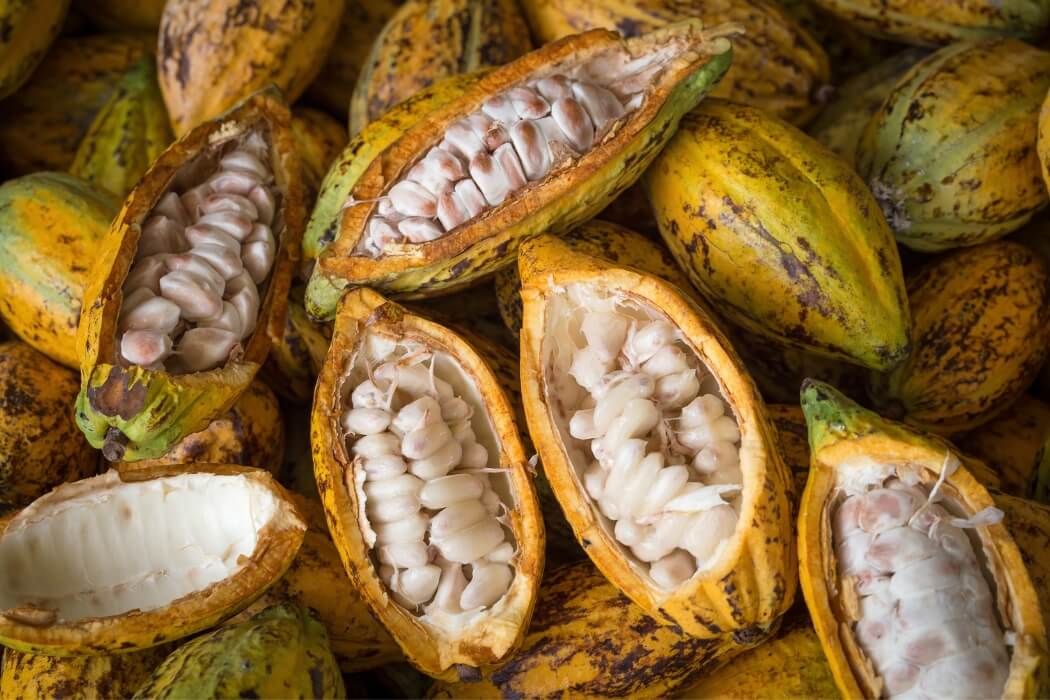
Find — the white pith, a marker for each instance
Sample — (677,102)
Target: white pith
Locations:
(368,386)
(915,586)
(671,506)
(192,297)
(101,547)
(512,143)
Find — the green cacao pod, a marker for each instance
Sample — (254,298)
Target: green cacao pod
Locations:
(28,30)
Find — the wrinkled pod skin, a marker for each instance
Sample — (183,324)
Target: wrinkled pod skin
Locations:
(29,29)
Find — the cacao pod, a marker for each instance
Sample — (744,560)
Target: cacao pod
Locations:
(29,29)
(297,354)
(51,225)
(950,153)
(705,555)
(319,139)
(445,627)
(1029,525)
(40,446)
(42,125)
(790,426)
(211,57)
(139,411)
(850,51)
(102,531)
(980,334)
(869,476)
(428,40)
(281,652)
(777,65)
(549,185)
(101,677)
(136,15)
(780,235)
(1014,443)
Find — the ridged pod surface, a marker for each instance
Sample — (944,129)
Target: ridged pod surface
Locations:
(780,235)
(51,225)
(980,334)
(564,190)
(589,640)
(134,15)
(428,40)
(1029,525)
(41,677)
(281,652)
(950,155)
(842,122)
(135,413)
(601,240)
(850,50)
(297,353)
(747,584)
(42,125)
(437,643)
(777,65)
(40,446)
(1013,443)
(320,139)
(211,57)
(29,29)
(850,447)
(127,134)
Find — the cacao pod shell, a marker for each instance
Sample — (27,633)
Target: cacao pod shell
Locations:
(850,51)
(29,29)
(1014,443)
(42,677)
(320,139)
(1029,525)
(297,353)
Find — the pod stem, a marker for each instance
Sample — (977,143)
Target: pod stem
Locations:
(114,445)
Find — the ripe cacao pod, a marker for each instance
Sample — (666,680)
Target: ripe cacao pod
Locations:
(1029,525)
(780,235)
(869,475)
(51,225)
(580,309)
(211,57)
(134,15)
(850,51)
(661,75)
(980,334)
(1013,443)
(319,139)
(41,677)
(29,29)
(297,353)
(950,155)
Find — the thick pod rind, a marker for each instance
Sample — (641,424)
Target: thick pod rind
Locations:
(844,440)
(135,413)
(751,583)
(563,198)
(435,650)
(29,29)
(42,629)
(780,235)
(949,154)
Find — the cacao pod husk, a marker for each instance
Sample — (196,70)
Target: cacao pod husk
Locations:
(29,29)
(297,353)
(1013,443)
(1029,525)
(850,51)
(320,139)
(41,677)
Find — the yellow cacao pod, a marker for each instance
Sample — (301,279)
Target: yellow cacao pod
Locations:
(213,56)
(320,139)
(1013,443)
(981,328)
(1029,525)
(29,29)
(100,677)
(297,353)
(780,235)
(777,65)
(850,51)
(741,578)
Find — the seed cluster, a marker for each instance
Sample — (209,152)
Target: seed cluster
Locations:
(439,535)
(666,455)
(517,137)
(192,294)
(926,615)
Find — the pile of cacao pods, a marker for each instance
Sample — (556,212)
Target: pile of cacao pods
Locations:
(524,348)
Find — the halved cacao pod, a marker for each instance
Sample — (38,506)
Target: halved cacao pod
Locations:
(281,652)
(401,543)
(1029,525)
(1014,443)
(251,434)
(135,411)
(601,240)
(588,640)
(981,332)
(949,155)
(614,360)
(51,225)
(842,122)
(211,57)
(534,180)
(319,140)
(127,134)
(900,595)
(29,29)
(298,353)
(138,15)
(44,122)
(40,446)
(428,40)
(42,677)
(780,235)
(777,65)
(85,591)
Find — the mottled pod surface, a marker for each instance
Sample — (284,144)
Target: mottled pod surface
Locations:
(656,444)
(1029,525)
(980,334)
(320,139)
(25,676)
(298,353)
(29,29)
(212,56)
(780,235)
(951,153)
(915,586)
(1013,443)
